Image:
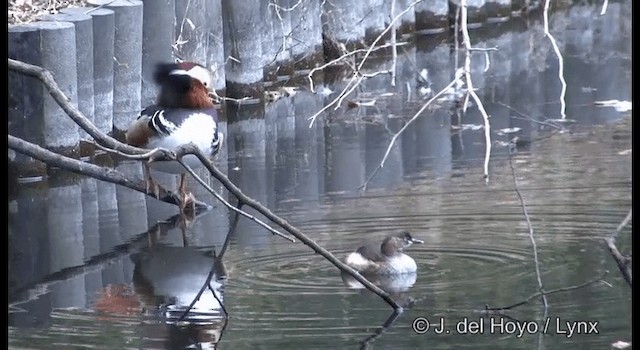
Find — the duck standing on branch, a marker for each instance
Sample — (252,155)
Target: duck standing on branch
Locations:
(184,113)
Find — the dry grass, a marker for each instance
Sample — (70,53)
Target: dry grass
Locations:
(24,11)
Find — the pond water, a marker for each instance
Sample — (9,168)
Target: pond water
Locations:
(94,265)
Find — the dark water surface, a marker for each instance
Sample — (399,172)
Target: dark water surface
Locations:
(94,265)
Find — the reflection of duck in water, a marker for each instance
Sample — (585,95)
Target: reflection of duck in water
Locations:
(384,265)
(170,278)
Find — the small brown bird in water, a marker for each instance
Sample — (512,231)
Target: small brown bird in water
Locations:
(386,258)
(184,113)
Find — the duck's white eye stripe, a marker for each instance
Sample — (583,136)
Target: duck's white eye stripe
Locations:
(179,72)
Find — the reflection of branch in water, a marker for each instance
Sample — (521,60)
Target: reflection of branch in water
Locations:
(378,333)
(217,266)
(232,228)
(533,241)
(558,290)
(204,286)
(550,123)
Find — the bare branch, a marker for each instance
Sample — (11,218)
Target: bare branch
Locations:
(604,7)
(467,69)
(406,125)
(344,56)
(556,49)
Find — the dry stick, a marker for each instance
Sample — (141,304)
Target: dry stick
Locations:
(563,91)
(47,79)
(624,263)
(394,49)
(558,290)
(533,241)
(95,171)
(467,69)
(192,149)
(406,125)
(72,111)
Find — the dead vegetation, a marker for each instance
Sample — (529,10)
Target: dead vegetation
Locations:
(25,11)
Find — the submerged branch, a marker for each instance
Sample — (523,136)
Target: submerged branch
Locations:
(623,262)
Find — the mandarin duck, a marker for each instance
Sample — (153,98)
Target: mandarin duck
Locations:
(183,113)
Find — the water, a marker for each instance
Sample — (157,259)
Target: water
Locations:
(94,265)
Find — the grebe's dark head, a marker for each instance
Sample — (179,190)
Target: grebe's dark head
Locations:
(397,243)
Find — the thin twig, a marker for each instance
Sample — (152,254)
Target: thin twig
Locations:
(228,205)
(543,293)
(530,227)
(556,49)
(529,118)
(604,7)
(406,125)
(467,68)
(622,225)
(357,77)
